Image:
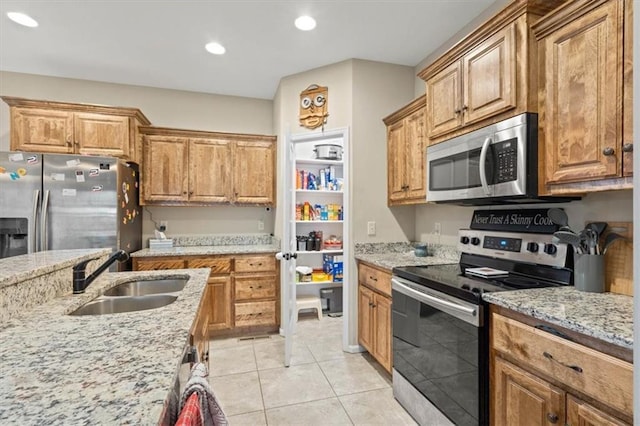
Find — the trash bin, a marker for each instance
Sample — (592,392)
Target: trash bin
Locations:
(333,296)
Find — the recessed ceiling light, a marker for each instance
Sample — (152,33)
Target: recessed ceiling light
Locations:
(22,19)
(215,48)
(305,23)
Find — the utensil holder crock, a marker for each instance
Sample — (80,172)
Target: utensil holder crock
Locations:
(588,273)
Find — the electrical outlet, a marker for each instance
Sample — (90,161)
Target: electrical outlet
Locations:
(437,228)
(163,225)
(261,225)
(371,228)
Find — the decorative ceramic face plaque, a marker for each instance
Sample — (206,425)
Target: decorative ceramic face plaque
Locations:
(313,106)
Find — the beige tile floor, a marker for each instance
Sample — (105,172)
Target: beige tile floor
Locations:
(323,385)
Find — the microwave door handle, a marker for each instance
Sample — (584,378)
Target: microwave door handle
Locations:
(483,160)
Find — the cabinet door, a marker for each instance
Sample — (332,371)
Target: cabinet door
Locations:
(579,413)
(254,172)
(627,125)
(382,331)
(444,101)
(489,77)
(200,329)
(520,398)
(396,162)
(365,318)
(165,168)
(209,173)
(415,156)
(101,134)
(582,92)
(220,303)
(41,130)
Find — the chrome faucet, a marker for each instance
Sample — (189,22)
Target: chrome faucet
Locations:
(80,283)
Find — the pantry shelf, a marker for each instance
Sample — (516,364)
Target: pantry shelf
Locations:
(318,282)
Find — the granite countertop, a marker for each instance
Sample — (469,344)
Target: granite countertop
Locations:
(208,250)
(606,316)
(390,255)
(19,268)
(97,369)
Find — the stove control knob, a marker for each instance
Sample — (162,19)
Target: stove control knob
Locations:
(550,249)
(532,247)
(475,241)
(464,240)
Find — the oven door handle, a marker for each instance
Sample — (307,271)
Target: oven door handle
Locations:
(431,300)
(482,165)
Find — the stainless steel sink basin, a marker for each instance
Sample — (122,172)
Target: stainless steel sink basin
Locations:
(144,287)
(124,304)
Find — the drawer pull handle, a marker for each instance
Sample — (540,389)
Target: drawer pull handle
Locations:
(552,417)
(553,331)
(573,367)
(373,279)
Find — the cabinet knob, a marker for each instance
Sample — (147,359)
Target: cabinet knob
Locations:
(190,192)
(464,107)
(608,151)
(457,111)
(552,417)
(627,147)
(184,192)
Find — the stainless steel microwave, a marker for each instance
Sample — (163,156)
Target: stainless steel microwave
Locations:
(497,164)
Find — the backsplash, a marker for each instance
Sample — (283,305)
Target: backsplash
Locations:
(437,250)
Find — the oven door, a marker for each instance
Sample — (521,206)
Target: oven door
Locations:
(440,347)
(489,162)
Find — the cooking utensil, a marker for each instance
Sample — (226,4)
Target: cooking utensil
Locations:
(559,217)
(610,239)
(599,228)
(571,238)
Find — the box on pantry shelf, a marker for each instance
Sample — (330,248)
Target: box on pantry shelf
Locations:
(333,265)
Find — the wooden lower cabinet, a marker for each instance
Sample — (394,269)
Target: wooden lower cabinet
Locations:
(242,293)
(374,316)
(200,329)
(540,378)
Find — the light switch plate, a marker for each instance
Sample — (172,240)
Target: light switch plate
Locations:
(371,228)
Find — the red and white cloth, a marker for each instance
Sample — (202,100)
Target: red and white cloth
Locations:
(210,409)
(191,415)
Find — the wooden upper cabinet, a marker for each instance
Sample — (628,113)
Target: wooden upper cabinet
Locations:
(582,96)
(100,134)
(489,76)
(406,173)
(209,173)
(41,130)
(254,172)
(66,128)
(165,168)
(444,94)
(184,167)
(489,83)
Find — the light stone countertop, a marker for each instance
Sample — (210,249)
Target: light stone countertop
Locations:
(208,250)
(606,316)
(390,255)
(95,369)
(26,266)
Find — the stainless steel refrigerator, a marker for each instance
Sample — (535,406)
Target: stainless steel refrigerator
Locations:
(57,202)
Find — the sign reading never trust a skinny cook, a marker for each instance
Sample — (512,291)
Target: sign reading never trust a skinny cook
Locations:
(522,220)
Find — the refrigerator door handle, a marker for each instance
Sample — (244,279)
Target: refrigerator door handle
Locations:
(32,227)
(44,220)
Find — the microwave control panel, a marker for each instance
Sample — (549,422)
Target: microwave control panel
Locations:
(506,154)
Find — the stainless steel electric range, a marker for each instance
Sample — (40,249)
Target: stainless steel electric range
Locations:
(440,323)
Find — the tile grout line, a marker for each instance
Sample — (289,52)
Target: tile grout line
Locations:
(264,406)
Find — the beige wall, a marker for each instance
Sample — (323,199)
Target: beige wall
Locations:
(170,108)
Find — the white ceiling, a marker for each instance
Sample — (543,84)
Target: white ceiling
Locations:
(160,43)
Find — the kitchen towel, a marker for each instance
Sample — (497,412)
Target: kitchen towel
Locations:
(212,414)
(191,415)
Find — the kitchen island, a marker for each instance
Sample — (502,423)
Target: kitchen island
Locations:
(96,369)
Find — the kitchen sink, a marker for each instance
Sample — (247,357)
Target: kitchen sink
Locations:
(144,287)
(117,305)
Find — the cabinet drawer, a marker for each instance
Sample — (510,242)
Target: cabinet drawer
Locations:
(158,264)
(256,263)
(375,279)
(255,287)
(217,265)
(255,313)
(601,376)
